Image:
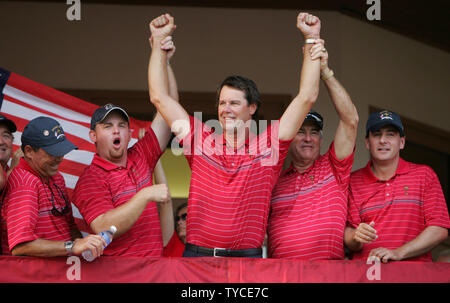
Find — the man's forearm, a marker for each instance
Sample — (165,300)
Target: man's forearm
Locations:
(157,73)
(40,248)
(423,243)
(297,110)
(342,102)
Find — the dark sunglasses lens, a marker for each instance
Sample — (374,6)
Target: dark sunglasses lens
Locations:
(182,217)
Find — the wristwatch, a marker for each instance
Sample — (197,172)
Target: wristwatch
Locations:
(68,245)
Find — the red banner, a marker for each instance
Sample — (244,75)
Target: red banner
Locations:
(215,270)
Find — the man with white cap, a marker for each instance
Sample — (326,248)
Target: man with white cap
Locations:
(37,213)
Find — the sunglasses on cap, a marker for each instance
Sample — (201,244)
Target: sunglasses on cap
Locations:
(182,217)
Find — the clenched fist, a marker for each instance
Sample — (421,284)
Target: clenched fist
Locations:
(162,26)
(309,25)
(157,193)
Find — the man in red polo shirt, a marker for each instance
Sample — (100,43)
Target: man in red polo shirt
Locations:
(37,215)
(233,172)
(397,210)
(7,128)
(175,247)
(309,202)
(117,188)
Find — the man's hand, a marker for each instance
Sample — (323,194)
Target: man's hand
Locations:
(167,45)
(318,51)
(385,254)
(157,193)
(162,27)
(94,243)
(309,25)
(365,233)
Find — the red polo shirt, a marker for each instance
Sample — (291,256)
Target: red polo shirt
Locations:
(104,186)
(174,248)
(230,189)
(26,210)
(2,196)
(401,207)
(309,210)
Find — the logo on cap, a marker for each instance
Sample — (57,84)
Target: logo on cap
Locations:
(386,115)
(58,131)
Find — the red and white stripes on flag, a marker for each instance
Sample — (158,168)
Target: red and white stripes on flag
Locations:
(22,100)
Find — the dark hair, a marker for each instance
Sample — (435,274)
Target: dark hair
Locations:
(34,148)
(247,86)
(181,207)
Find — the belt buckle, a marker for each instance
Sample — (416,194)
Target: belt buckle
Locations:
(218,249)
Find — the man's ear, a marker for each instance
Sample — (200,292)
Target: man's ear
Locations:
(93,136)
(402,142)
(28,152)
(366,140)
(253,108)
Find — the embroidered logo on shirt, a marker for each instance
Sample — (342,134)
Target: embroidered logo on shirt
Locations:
(406,190)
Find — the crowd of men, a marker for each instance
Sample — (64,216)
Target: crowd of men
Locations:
(391,209)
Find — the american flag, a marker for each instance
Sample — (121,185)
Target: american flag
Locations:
(22,100)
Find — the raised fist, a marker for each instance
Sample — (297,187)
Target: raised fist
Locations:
(162,26)
(309,25)
(158,193)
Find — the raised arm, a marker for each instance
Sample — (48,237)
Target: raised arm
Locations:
(299,107)
(165,209)
(159,126)
(345,137)
(158,75)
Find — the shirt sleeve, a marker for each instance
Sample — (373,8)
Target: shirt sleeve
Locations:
(148,147)
(278,148)
(92,196)
(194,136)
(353,217)
(341,168)
(21,213)
(435,208)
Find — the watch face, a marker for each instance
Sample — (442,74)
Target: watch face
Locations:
(68,245)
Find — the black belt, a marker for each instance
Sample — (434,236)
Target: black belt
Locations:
(223,252)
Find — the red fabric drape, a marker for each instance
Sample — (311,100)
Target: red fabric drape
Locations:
(216,270)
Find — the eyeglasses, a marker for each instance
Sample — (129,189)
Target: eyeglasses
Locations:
(182,217)
(66,209)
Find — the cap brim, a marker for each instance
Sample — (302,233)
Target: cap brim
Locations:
(377,126)
(60,149)
(10,124)
(113,109)
(314,121)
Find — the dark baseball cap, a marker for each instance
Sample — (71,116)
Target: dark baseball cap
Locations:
(47,133)
(9,123)
(314,117)
(101,113)
(382,118)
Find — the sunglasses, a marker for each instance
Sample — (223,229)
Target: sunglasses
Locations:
(66,209)
(182,217)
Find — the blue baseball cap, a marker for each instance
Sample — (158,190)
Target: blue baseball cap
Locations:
(47,133)
(315,117)
(382,118)
(102,112)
